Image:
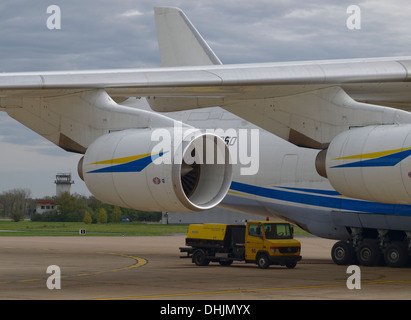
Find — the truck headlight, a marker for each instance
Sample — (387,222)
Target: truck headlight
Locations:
(274,249)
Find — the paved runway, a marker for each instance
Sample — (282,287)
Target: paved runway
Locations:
(144,268)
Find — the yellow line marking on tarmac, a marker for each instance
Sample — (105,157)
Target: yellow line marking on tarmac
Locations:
(139,262)
(28,280)
(255,290)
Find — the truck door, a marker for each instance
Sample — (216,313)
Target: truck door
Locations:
(254,240)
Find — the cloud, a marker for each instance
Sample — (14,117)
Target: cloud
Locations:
(104,34)
(27,160)
(94,35)
(131,13)
(34,167)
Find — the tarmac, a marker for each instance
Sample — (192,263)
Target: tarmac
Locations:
(150,268)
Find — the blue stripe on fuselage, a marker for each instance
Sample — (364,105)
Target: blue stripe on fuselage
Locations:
(337,203)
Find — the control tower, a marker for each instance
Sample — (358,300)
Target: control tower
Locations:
(63,183)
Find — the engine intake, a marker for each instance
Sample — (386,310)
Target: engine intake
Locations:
(145,170)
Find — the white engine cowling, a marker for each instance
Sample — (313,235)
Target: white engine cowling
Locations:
(147,170)
(370,163)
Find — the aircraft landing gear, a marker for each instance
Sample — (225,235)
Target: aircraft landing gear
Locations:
(368,253)
(396,255)
(343,253)
(392,248)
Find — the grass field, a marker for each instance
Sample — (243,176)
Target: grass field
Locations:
(34,228)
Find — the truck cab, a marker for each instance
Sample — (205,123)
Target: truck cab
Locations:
(271,242)
(261,242)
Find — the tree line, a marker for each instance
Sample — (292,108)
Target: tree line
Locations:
(17,205)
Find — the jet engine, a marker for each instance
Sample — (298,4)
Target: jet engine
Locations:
(158,169)
(370,163)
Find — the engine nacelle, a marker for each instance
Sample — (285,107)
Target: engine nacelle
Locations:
(158,170)
(370,163)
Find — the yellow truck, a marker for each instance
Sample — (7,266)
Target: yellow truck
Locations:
(262,242)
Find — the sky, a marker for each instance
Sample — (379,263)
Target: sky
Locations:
(103,34)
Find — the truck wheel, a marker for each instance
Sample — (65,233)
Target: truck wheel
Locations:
(262,261)
(291,265)
(396,255)
(225,262)
(200,258)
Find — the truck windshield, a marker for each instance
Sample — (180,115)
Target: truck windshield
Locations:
(277,231)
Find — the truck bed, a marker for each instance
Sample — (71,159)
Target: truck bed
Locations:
(234,235)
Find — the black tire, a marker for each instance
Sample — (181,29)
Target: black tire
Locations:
(291,265)
(200,258)
(262,261)
(343,253)
(396,255)
(225,262)
(368,253)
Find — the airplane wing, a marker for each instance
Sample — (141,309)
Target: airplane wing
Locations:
(307,103)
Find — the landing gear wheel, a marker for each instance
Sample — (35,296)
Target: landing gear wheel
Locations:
(368,253)
(200,258)
(262,261)
(342,253)
(396,255)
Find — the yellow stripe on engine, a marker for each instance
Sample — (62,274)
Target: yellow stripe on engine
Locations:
(373,155)
(123,160)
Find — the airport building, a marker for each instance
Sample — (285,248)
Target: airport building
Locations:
(43,206)
(63,183)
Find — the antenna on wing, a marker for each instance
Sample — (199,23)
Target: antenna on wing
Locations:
(179,41)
